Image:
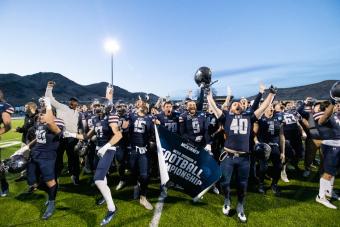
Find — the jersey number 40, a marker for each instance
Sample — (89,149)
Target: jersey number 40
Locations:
(239,126)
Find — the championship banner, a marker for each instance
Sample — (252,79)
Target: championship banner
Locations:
(191,167)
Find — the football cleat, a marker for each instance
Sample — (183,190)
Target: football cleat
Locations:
(215,190)
(143,201)
(306,173)
(333,195)
(31,189)
(100,201)
(75,180)
(49,210)
(108,218)
(226,209)
(276,190)
(325,202)
(4,193)
(261,189)
(284,177)
(241,217)
(120,185)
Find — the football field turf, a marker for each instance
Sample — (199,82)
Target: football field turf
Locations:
(75,205)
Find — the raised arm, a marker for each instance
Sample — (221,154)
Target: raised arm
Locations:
(53,101)
(328,112)
(267,102)
(258,97)
(218,113)
(227,99)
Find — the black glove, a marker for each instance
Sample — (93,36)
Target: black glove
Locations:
(272,89)
(332,101)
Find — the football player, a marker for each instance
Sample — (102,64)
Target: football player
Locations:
(237,125)
(193,126)
(121,147)
(269,129)
(330,148)
(6,110)
(105,127)
(44,153)
(141,130)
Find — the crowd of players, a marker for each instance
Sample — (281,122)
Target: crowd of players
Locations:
(243,136)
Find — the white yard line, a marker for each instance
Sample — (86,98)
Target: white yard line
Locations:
(158,212)
(5,144)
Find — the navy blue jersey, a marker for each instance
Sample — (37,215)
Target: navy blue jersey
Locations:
(334,124)
(170,122)
(102,128)
(269,129)
(194,128)
(47,142)
(290,119)
(141,128)
(237,128)
(5,108)
(125,132)
(213,124)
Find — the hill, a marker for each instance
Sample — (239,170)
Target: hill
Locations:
(20,89)
(318,90)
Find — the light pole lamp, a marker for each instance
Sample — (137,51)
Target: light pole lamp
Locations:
(112,47)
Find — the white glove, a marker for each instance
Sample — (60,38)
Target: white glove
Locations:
(109,89)
(101,152)
(228,91)
(47,102)
(21,151)
(67,134)
(208,148)
(304,136)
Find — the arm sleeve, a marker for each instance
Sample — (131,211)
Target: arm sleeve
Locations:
(256,103)
(54,102)
(302,112)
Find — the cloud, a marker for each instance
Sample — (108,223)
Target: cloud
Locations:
(250,69)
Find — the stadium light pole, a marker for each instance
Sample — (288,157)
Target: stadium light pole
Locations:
(112,47)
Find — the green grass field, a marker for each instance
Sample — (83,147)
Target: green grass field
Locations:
(76,204)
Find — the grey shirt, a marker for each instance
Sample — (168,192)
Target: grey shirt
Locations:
(68,115)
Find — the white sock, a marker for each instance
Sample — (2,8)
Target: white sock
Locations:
(325,186)
(331,186)
(105,190)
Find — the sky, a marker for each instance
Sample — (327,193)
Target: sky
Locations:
(162,43)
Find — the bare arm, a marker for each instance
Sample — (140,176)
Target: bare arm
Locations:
(256,130)
(282,143)
(49,118)
(227,99)
(117,135)
(6,119)
(264,105)
(218,113)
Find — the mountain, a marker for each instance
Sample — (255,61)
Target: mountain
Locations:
(317,90)
(19,90)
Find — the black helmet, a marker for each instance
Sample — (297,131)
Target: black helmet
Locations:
(17,163)
(335,92)
(203,76)
(262,151)
(102,105)
(82,147)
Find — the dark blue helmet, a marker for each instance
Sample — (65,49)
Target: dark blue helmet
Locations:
(203,76)
(16,164)
(262,151)
(335,92)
